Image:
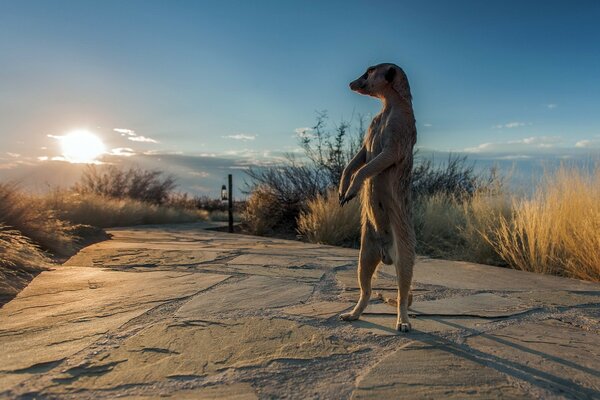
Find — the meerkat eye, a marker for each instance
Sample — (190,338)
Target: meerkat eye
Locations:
(367,73)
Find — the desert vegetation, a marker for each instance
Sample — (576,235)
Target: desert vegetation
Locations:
(458,214)
(36,230)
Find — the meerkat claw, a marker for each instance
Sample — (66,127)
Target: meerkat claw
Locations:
(348,317)
(403,327)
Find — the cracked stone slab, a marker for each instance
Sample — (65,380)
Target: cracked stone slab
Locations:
(466,275)
(483,305)
(303,274)
(384,324)
(349,281)
(253,293)
(146,256)
(184,349)
(235,391)
(552,355)
(319,309)
(71,307)
(559,298)
(432,369)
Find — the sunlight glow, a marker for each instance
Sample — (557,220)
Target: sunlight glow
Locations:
(81,146)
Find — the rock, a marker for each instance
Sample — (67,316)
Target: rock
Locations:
(432,369)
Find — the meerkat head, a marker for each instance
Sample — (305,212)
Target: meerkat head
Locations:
(379,80)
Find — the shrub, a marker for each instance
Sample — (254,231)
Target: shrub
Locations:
(326,222)
(263,211)
(134,183)
(295,183)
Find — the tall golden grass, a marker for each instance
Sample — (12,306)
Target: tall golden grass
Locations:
(555,231)
(326,222)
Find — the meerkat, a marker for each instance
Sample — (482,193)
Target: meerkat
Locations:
(382,172)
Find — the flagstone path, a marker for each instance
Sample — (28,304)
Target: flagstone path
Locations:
(185,313)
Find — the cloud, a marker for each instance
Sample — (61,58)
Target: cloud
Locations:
(134,137)
(551,106)
(240,136)
(427,125)
(125,131)
(200,174)
(13,155)
(533,143)
(588,143)
(511,125)
(142,139)
(122,151)
(303,132)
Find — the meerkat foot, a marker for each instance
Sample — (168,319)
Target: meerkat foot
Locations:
(349,317)
(403,327)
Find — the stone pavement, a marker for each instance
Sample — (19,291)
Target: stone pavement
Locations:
(184,313)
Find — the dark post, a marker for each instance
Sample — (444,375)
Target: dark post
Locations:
(230,199)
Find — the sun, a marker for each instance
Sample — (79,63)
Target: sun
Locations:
(81,146)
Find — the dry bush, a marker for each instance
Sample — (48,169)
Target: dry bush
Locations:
(105,212)
(556,231)
(20,261)
(326,222)
(26,214)
(133,183)
(263,211)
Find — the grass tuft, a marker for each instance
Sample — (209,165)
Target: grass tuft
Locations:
(326,222)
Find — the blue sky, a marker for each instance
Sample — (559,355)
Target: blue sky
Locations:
(236,78)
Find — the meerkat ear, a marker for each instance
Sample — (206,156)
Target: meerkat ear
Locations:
(400,83)
(390,74)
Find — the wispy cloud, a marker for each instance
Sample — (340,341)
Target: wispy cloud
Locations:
(525,144)
(13,155)
(588,143)
(551,106)
(142,139)
(133,136)
(511,125)
(122,151)
(427,125)
(240,136)
(125,131)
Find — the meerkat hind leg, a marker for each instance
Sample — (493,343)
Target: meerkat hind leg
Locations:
(369,258)
(404,263)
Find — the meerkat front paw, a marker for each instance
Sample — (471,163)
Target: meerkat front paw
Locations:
(403,327)
(348,317)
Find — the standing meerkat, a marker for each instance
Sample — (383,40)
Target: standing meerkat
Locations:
(383,170)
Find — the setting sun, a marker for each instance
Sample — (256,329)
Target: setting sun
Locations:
(81,146)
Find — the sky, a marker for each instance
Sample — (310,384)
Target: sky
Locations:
(204,87)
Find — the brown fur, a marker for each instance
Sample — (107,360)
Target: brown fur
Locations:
(382,172)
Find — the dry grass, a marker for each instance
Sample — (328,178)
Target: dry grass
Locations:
(262,212)
(326,222)
(23,213)
(20,261)
(557,230)
(105,212)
